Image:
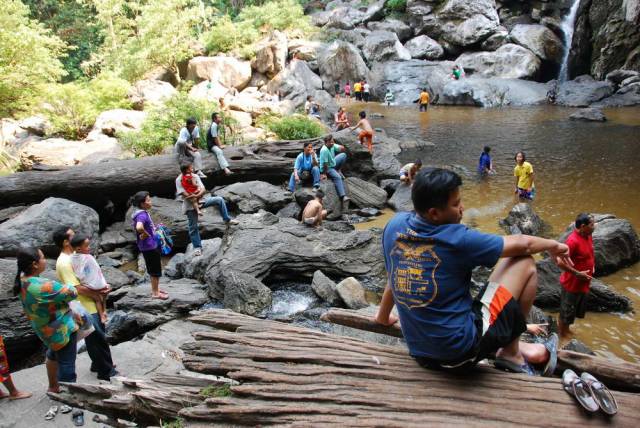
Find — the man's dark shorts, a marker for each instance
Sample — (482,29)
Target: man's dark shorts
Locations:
(572,306)
(499,321)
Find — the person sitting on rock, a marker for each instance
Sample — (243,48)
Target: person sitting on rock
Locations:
(331,163)
(190,212)
(577,275)
(186,146)
(312,108)
(214,145)
(409,171)
(366,135)
(342,122)
(314,213)
(457,72)
(429,257)
(305,167)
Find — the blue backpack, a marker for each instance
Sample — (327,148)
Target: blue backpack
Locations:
(163,238)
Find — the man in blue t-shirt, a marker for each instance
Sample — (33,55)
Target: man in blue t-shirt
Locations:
(429,256)
(305,167)
(485,165)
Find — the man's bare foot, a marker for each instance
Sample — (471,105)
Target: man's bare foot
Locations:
(227,171)
(19,395)
(3,395)
(55,390)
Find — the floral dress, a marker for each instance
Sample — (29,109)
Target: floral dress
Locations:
(4,363)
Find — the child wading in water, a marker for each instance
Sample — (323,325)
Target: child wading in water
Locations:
(190,186)
(88,271)
(366,135)
(523,172)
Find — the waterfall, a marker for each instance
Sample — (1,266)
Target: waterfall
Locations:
(567,25)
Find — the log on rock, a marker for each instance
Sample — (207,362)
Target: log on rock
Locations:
(118,180)
(283,375)
(620,375)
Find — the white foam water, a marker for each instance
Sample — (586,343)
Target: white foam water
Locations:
(568,25)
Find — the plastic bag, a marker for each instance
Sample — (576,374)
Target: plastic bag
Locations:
(86,326)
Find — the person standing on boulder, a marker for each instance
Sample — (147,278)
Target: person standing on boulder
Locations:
(429,257)
(577,275)
(144,229)
(97,345)
(330,164)
(305,167)
(186,146)
(214,145)
(366,135)
(523,172)
(190,212)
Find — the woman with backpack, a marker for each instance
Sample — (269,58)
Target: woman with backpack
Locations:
(145,239)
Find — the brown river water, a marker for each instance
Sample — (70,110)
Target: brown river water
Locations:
(579,167)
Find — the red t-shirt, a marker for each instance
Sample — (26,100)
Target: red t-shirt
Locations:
(188,184)
(581,253)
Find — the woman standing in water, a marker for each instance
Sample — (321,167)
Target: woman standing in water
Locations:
(523,171)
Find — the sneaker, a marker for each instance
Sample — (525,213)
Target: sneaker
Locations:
(201,174)
(233,222)
(197,252)
(345,199)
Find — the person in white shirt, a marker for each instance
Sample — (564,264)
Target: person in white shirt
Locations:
(366,91)
(186,146)
(215,146)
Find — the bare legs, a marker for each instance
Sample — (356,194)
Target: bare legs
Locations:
(14,394)
(564,330)
(519,276)
(52,375)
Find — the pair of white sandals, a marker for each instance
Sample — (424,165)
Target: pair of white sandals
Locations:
(589,392)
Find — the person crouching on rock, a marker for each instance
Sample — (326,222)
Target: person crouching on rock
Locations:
(147,244)
(314,213)
(341,120)
(576,278)
(409,171)
(366,135)
(429,256)
(190,185)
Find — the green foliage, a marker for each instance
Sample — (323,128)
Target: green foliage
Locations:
(217,391)
(294,127)
(163,124)
(28,57)
(176,423)
(75,23)
(72,107)
(255,22)
(396,5)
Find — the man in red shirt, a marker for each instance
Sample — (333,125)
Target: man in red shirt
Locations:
(576,279)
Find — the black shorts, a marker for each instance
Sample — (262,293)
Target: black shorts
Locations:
(572,306)
(153,261)
(498,321)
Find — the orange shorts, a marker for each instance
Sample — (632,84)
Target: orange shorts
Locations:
(366,137)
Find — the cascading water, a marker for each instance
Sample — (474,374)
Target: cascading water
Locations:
(567,26)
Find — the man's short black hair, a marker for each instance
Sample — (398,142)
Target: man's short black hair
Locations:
(192,121)
(362,114)
(309,97)
(214,115)
(418,162)
(306,143)
(328,138)
(78,240)
(487,149)
(583,219)
(432,188)
(60,234)
(184,166)
(319,194)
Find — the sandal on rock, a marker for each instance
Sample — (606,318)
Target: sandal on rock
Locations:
(600,394)
(510,366)
(51,413)
(552,346)
(64,409)
(78,418)
(579,390)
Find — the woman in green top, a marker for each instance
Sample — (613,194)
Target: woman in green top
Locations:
(46,304)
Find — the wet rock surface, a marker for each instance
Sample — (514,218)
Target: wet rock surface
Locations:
(589,115)
(522,219)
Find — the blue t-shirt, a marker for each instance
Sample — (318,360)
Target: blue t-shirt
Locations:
(304,162)
(429,269)
(485,163)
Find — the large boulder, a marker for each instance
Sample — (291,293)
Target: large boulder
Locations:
(582,91)
(34,227)
(588,115)
(616,77)
(271,54)
(226,70)
(116,235)
(341,61)
(508,61)
(306,50)
(208,91)
(36,125)
(626,96)
(253,196)
(114,122)
(352,293)
(402,30)
(470,31)
(407,78)
(540,40)
(493,92)
(344,18)
(497,39)
(325,288)
(331,201)
(195,267)
(365,194)
(463,9)
(239,291)
(382,46)
(401,199)
(602,298)
(60,152)
(272,248)
(424,47)
(150,93)
(522,219)
(615,243)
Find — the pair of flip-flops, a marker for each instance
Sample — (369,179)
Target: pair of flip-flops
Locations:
(589,392)
(77,416)
(551,344)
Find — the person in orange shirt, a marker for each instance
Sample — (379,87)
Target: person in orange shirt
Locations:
(423,100)
(366,135)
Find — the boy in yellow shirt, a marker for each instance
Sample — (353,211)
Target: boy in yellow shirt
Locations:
(523,171)
(423,100)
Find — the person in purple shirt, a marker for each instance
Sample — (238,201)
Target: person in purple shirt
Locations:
(145,230)
(429,256)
